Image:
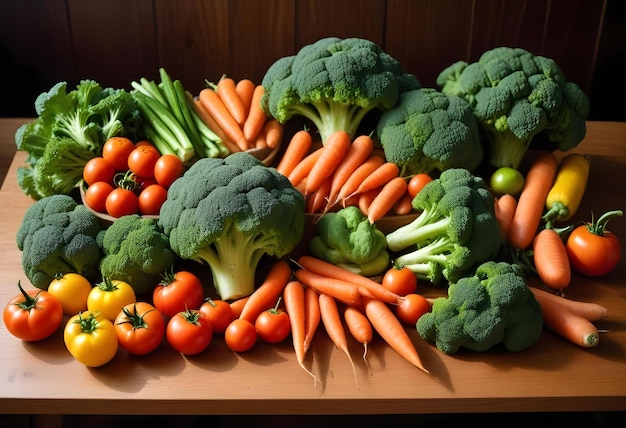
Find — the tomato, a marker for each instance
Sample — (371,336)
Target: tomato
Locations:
(507,180)
(151,198)
(219,313)
(33,315)
(142,160)
(189,332)
(90,338)
(167,169)
(96,196)
(412,307)
(400,280)
(273,325)
(109,297)
(139,328)
(417,183)
(240,335)
(592,250)
(116,150)
(98,169)
(72,290)
(178,292)
(122,202)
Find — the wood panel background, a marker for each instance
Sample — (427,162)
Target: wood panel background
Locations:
(117,41)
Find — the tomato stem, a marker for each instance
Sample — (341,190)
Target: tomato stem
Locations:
(29,302)
(599,226)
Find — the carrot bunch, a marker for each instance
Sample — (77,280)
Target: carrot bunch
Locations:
(345,172)
(232,109)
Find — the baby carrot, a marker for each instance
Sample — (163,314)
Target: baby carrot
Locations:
(404,205)
(226,89)
(316,202)
(224,119)
(311,315)
(273,133)
(550,259)
(359,326)
(245,89)
(379,177)
(212,124)
(268,292)
(357,177)
(297,148)
(256,116)
(303,168)
(386,198)
(332,152)
(505,210)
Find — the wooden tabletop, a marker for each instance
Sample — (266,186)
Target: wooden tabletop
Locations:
(552,375)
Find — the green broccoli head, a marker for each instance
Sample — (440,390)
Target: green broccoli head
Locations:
(136,251)
(334,83)
(430,131)
(454,231)
(346,238)
(521,101)
(492,307)
(230,213)
(58,236)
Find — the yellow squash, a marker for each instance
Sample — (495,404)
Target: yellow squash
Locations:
(568,189)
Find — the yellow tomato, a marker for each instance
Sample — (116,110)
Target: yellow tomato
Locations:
(109,297)
(72,290)
(90,338)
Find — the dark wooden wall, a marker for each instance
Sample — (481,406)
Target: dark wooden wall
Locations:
(117,41)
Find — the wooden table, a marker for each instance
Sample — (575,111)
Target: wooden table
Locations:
(552,375)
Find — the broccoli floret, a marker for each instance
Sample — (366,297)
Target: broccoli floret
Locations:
(58,236)
(455,231)
(521,101)
(136,251)
(493,306)
(230,213)
(346,238)
(430,131)
(334,83)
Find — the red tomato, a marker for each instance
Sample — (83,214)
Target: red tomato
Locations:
(96,196)
(142,160)
(116,150)
(178,292)
(189,332)
(98,169)
(139,328)
(219,313)
(33,315)
(273,325)
(240,335)
(151,198)
(400,280)
(417,182)
(412,307)
(167,169)
(121,202)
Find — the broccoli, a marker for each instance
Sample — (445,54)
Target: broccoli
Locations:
(59,236)
(229,213)
(334,83)
(455,231)
(71,128)
(428,130)
(521,101)
(346,238)
(493,306)
(135,251)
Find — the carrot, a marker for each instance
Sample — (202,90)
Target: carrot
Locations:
(341,290)
(245,89)
(568,189)
(356,178)
(331,319)
(532,200)
(297,148)
(260,141)
(359,326)
(551,261)
(311,315)
(216,108)
(366,198)
(391,330)
(237,305)
(588,310)
(566,323)
(404,205)
(333,151)
(212,124)
(505,210)
(273,133)
(293,297)
(266,294)
(316,202)
(302,169)
(256,117)
(379,177)
(386,198)
(226,89)
(322,267)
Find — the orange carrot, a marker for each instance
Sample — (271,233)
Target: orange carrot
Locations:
(404,205)
(237,305)
(391,330)
(384,200)
(532,200)
(341,290)
(330,270)
(297,148)
(311,315)
(212,124)
(260,141)
(379,177)
(316,202)
(256,116)
(226,89)
(359,326)
(505,210)
(267,293)
(550,258)
(293,297)
(366,198)
(273,133)
(331,319)
(216,108)
(589,310)
(302,169)
(356,178)
(333,151)
(245,89)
